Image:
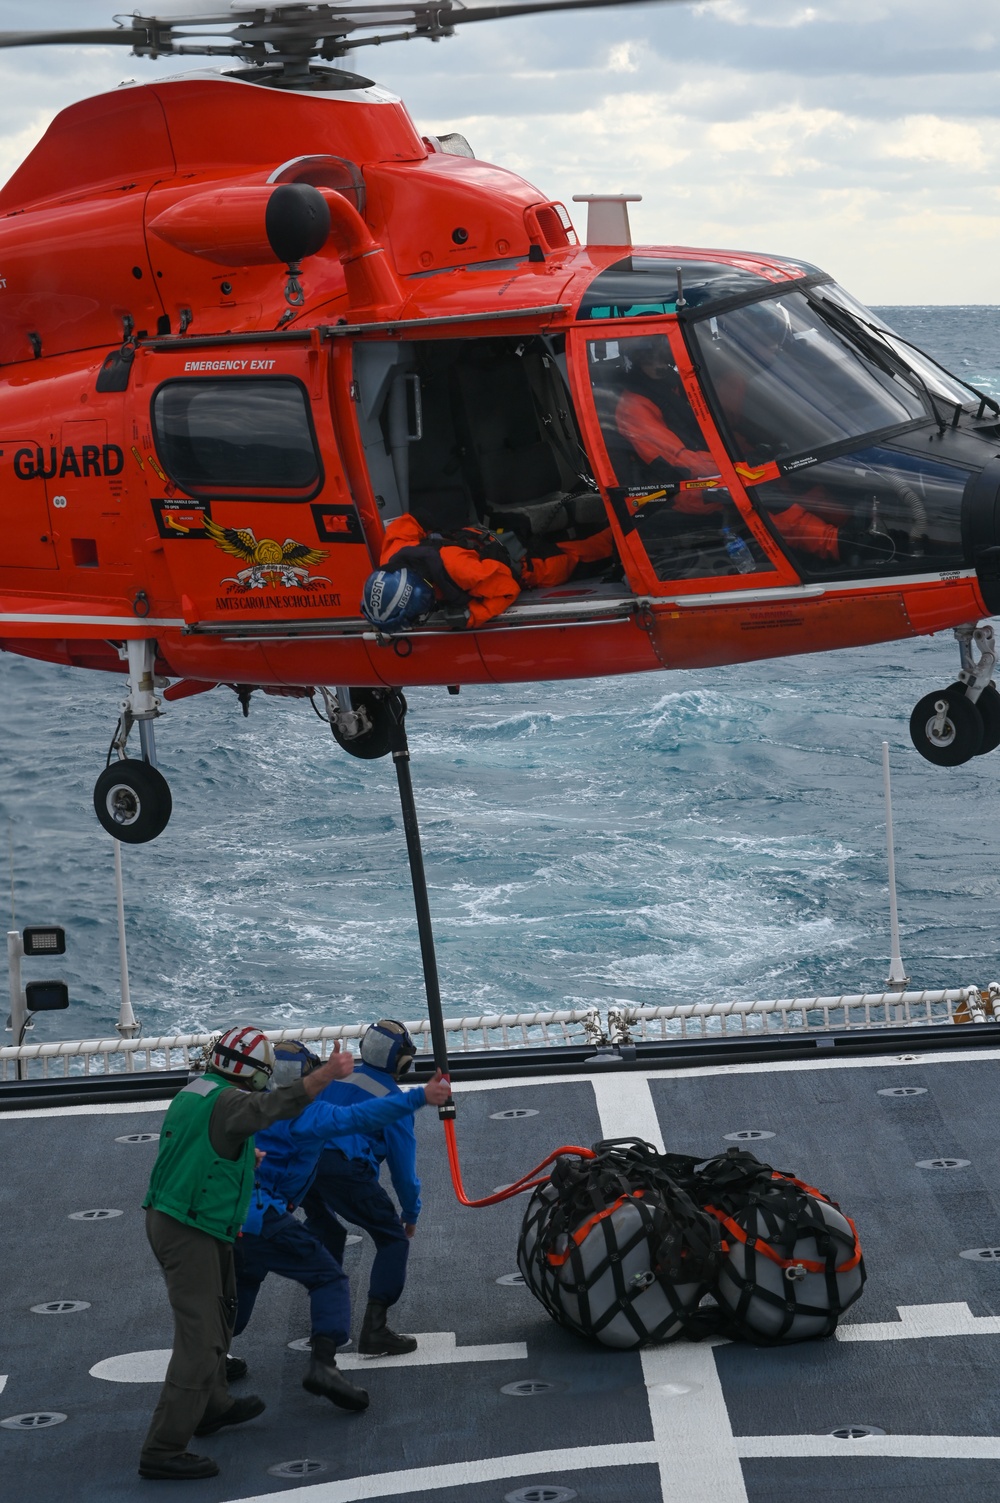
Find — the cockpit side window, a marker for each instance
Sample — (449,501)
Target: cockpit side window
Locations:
(237,437)
(788,385)
(684,516)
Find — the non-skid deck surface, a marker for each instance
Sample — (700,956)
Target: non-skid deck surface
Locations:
(688,1423)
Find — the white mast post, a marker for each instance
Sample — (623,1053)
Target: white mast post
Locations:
(897,979)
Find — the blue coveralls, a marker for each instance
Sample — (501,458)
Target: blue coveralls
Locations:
(273,1241)
(347,1183)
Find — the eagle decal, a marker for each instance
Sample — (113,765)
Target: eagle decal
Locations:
(270,565)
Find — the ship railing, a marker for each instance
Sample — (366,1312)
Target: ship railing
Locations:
(850,1012)
(516,1030)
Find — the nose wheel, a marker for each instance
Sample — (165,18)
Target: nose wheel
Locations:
(131,797)
(953,725)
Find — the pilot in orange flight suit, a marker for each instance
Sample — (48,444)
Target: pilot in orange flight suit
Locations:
(471,570)
(639,417)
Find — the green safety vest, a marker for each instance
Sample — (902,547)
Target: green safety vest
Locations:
(190,1182)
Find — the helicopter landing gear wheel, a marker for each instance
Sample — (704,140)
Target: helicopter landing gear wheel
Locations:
(132,801)
(363,730)
(946,727)
(988,705)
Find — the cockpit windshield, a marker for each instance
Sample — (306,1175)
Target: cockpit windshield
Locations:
(938,382)
(790,383)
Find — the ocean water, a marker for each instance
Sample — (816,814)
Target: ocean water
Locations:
(659,838)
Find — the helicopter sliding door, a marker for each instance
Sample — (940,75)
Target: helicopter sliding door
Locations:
(679,519)
(464,431)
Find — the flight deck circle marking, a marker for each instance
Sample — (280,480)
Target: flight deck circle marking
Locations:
(541,1492)
(904,1090)
(100,1215)
(855,1432)
(133,1367)
(42,1419)
(511,1280)
(530,1388)
(747,1135)
(981,1254)
(513,1113)
(304,1344)
(139,1137)
(306,1467)
(943,1163)
(60,1307)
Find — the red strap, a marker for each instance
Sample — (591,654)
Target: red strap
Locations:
(809,1264)
(526,1182)
(580,1235)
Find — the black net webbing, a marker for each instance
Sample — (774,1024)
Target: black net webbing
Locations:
(624,1247)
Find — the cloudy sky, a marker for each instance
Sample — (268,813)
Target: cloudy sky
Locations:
(863,135)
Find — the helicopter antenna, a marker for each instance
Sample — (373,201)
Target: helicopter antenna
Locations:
(281,43)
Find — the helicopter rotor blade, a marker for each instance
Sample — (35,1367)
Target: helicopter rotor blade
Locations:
(536,7)
(320,30)
(92,37)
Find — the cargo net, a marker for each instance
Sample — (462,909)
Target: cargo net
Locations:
(635,1247)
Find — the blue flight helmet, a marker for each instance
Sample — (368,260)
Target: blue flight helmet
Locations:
(292,1060)
(394,599)
(386,1045)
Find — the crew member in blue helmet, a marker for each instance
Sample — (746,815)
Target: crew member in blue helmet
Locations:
(347,1183)
(273,1241)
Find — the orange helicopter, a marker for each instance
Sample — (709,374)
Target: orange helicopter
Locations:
(250,320)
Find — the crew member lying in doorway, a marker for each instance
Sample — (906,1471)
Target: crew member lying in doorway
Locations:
(473,573)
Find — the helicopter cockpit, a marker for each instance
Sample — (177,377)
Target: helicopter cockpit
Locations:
(826,414)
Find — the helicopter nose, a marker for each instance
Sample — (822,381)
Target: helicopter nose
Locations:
(981,531)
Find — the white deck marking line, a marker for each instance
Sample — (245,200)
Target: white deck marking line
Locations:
(918,1321)
(763,1067)
(95,1109)
(927,1447)
(461,1087)
(540,1464)
(3,1382)
(625,1106)
(435,1349)
(692,1434)
(698,1457)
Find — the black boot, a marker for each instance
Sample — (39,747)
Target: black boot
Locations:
(182,1468)
(239,1411)
(236,1368)
(324,1379)
(377,1339)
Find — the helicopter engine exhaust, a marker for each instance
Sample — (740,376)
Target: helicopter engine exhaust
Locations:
(248,225)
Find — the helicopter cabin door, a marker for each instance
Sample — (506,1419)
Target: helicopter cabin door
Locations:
(28,537)
(248,495)
(655,449)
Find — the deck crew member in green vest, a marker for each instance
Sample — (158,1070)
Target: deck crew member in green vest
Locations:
(197,1199)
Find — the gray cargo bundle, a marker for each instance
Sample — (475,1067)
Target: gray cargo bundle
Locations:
(634,1247)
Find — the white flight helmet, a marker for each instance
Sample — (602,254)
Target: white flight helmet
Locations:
(244,1056)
